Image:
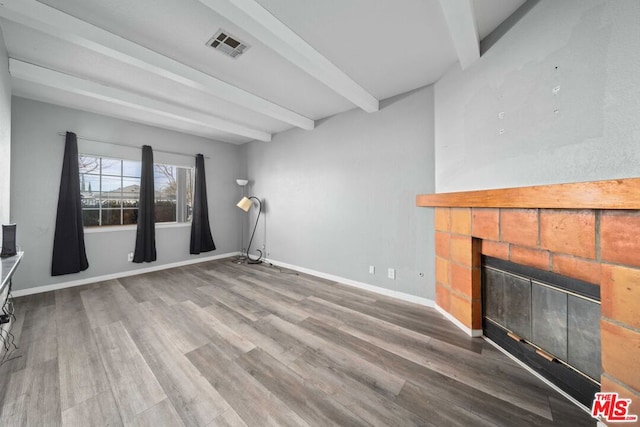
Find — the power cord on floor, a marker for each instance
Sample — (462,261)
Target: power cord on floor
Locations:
(8,340)
(241,259)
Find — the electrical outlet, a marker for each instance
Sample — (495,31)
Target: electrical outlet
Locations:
(372,269)
(130,256)
(391,273)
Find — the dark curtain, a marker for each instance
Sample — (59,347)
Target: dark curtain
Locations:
(146,233)
(201,240)
(69,255)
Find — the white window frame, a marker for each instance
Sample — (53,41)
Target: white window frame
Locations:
(182,202)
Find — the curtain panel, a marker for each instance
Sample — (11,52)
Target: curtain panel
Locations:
(201,239)
(146,234)
(69,254)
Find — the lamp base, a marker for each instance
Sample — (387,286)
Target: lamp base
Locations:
(250,261)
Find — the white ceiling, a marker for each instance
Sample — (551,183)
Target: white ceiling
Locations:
(146,60)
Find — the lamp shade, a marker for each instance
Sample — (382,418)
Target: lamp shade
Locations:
(244,204)
(242,182)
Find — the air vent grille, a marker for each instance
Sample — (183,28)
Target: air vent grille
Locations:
(225,43)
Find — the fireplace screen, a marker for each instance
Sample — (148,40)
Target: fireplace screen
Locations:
(554,317)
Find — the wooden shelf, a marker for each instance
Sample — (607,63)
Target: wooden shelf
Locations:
(611,194)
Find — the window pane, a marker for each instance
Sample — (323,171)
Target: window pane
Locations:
(190,177)
(131,168)
(111,192)
(111,167)
(165,188)
(89,200)
(88,164)
(129,216)
(89,183)
(165,211)
(90,218)
(131,191)
(111,217)
(90,190)
(165,182)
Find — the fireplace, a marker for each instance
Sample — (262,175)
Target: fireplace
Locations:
(549,322)
(585,231)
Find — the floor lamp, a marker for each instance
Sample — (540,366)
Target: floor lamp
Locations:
(243,184)
(245,204)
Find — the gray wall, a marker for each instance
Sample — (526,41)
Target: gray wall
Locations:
(595,133)
(5,146)
(37,151)
(342,197)
(5,133)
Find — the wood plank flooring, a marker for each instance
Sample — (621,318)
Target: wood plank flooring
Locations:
(226,344)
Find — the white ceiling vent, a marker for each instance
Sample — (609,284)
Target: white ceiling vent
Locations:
(227,44)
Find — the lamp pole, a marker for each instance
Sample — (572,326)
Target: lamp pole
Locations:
(259,259)
(242,183)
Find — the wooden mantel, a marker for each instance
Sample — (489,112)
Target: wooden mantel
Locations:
(611,194)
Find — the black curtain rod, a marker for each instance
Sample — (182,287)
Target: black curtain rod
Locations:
(129,145)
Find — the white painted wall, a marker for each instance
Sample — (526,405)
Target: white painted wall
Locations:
(5,149)
(5,134)
(37,152)
(342,197)
(594,135)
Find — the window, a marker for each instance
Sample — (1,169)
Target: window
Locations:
(110,191)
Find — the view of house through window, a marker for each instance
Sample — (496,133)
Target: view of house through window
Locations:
(110,190)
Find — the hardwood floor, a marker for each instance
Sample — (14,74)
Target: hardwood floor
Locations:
(224,344)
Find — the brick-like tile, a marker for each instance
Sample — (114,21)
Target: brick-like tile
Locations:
(485,223)
(442,244)
(620,294)
(568,232)
(476,314)
(442,270)
(620,237)
(532,257)
(461,250)
(495,249)
(477,283)
(620,350)
(461,221)
(443,219)
(462,279)
(625,393)
(476,255)
(577,268)
(519,226)
(462,309)
(443,297)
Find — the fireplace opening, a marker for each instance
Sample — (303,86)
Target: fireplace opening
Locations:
(549,322)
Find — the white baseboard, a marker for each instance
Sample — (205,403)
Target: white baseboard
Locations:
(86,281)
(382,291)
(471,332)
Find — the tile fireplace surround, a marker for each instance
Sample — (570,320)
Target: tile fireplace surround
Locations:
(589,231)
